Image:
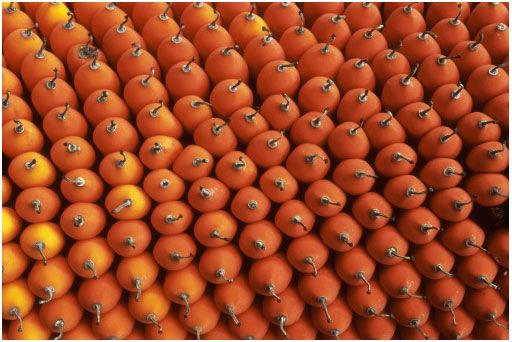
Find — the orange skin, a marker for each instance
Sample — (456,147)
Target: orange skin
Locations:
(115,134)
(234,298)
(29,8)
(226,62)
(278,184)
(450,32)
(119,168)
(246,123)
(419,225)
(49,234)
(55,275)
(435,174)
(372,210)
(252,323)
(268,149)
(141,14)
(307,254)
(280,111)
(93,76)
(484,303)
(221,331)
(388,63)
(318,94)
(12,224)
(50,15)
(278,77)
(419,115)
(129,238)
(476,128)
(250,205)
(191,111)
(410,309)
(429,328)
(406,191)
(151,307)
(66,35)
(445,72)
(446,10)
(308,163)
(341,315)
(359,16)
(472,269)
(401,22)
(328,24)
(259,240)
(497,247)
(365,43)
(489,330)
(279,17)
(215,136)
(340,232)
(464,327)
(158,28)
(440,142)
(32,328)
(229,95)
(136,61)
(396,95)
(296,40)
(418,46)
(116,323)
(387,246)
(89,218)
(81,185)
(174,252)
(71,153)
(433,260)
(245,26)
(355,73)
(208,194)
(185,286)
(303,328)
(105,18)
(159,151)
(51,92)
(39,65)
(138,273)
(66,309)
(90,258)
(99,296)
(14,262)
(312,128)
(193,163)
(474,54)
(38,204)
(480,80)
(236,170)
(445,293)
(14,107)
(18,303)
(187,78)
(220,265)
(172,217)
(314,10)
(367,304)
(64,121)
(375,327)
(11,82)
(163,185)
(176,49)
(172,329)
(215,229)
(270,276)
(452,204)
(390,162)
(294,218)
(145,89)
(127,202)
(261,50)
(12,19)
(285,312)
(484,14)
(324,198)
(229,10)
(494,41)
(496,108)
(81,54)
(401,280)
(354,176)
(156,119)
(21,136)
(345,135)
(203,316)
(322,59)
(102,104)
(195,16)
(24,175)
(491,189)
(18,44)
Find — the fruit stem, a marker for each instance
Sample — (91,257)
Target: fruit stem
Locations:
(416,325)
(71,148)
(15,311)
(441,60)
(268,38)
(397,156)
(393,252)
(11,8)
(51,84)
(97,310)
(326,87)
(62,115)
(69,24)
(221,274)
(272,143)
(423,113)
(474,45)
(136,50)
(279,182)
(40,53)
(217,129)
(145,81)
(282,320)
(177,38)
(493,153)
(213,24)
(325,49)
(440,268)
(361,63)
(375,213)
(36,205)
(169,219)
(300,29)
(361,174)
(280,67)
(50,291)
(360,276)
(343,237)
(405,291)
(317,122)
(259,244)
(459,204)
(122,28)
(444,137)
(270,288)
(411,191)
(310,261)
(227,50)
(78,221)
(336,333)
(233,87)
(230,311)
(392,54)
(196,104)
(125,204)
(59,325)
(176,256)
(5,101)
(456,93)
(298,220)
(325,200)
(184,297)
(494,71)
(239,164)
(164,15)
(470,242)
(425,227)
(338,18)
(387,122)
(455,21)
(152,319)
(484,123)
(310,158)
(197,330)
(496,191)
(121,162)
(198,161)
(215,234)
(405,81)
(425,34)
(130,242)
(28,32)
(363,97)
(18,126)
(29,165)
(369,34)
(449,305)
(250,15)
(138,286)
(95,64)
(154,112)
(79,182)
(89,265)
(492,316)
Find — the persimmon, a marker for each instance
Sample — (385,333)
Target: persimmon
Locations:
(176,49)
(62,314)
(253,323)
(246,123)
(187,78)
(71,153)
(395,160)
(270,276)
(324,198)
(191,111)
(14,107)
(303,328)
(66,35)
(280,111)
(314,127)
(442,67)
(18,44)
(341,316)
(440,142)
(411,312)
(285,312)
(137,273)
(318,94)
(387,246)
(494,43)
(462,329)
(294,218)
(6,189)
(215,228)
(216,136)
(171,327)
(389,62)
(129,238)
(245,26)
(490,156)
(50,15)
(105,18)
(136,61)
(119,168)
(11,83)
(174,252)
(18,301)
(372,210)
(208,194)
(441,173)
(85,11)
(307,162)
(194,16)
(495,108)
(229,95)
(366,304)
(117,323)
(355,73)
(419,225)
(418,120)
(52,280)
(171,217)
(340,232)
(489,330)
(433,260)
(64,121)
(473,54)
(278,184)
(453,204)
(260,239)
(151,307)
(489,189)
(80,54)
(236,170)
(159,151)
(365,43)
(37,205)
(193,162)
(486,82)
(320,60)
(113,134)
(280,16)
(23,136)
(383,129)
(90,258)
(230,10)
(234,298)
(361,15)
(33,328)
(401,280)
(157,119)
(212,36)
(202,318)
(296,40)
(226,63)
(185,286)
(143,90)
(127,202)
(476,127)
(250,205)
(484,14)
(141,14)
(485,304)
(82,221)
(220,332)
(42,241)
(406,191)
(439,11)
(51,92)
(220,265)
(445,294)
(81,185)
(314,10)
(14,262)
(400,90)
(260,51)
(307,254)
(496,246)
(163,185)
(354,176)
(102,104)
(375,327)
(14,18)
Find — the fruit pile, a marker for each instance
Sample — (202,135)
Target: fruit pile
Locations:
(255,170)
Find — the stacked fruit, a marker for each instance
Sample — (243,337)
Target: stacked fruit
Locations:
(328,170)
